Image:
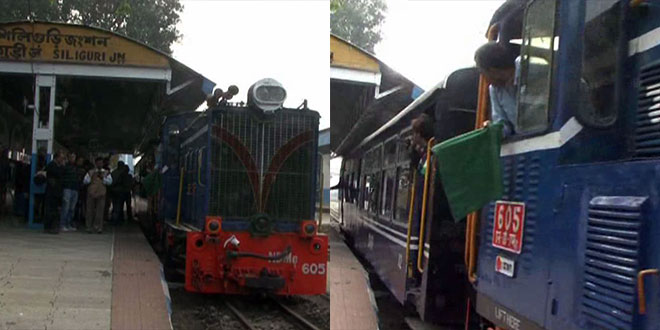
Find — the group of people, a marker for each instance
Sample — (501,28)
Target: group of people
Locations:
(76,190)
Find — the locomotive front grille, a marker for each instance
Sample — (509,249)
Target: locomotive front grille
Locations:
(263,164)
(647,132)
(611,261)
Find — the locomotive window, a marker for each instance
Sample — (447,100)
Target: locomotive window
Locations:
(539,47)
(402,194)
(599,63)
(172,145)
(388,192)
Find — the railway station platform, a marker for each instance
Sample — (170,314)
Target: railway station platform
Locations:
(76,280)
(352,305)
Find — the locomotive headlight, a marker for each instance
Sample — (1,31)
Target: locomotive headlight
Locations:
(267,95)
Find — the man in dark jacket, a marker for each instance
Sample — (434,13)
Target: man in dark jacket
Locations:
(120,186)
(4,178)
(54,192)
(71,185)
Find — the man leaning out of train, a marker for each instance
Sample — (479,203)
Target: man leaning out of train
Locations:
(422,132)
(499,65)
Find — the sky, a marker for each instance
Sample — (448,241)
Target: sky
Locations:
(426,40)
(240,42)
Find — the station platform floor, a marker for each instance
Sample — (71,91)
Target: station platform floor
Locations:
(76,280)
(352,304)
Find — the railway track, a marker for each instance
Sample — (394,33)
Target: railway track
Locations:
(255,320)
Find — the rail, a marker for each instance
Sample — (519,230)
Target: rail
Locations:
(246,323)
(473,218)
(422,224)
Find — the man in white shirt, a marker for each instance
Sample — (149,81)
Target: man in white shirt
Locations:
(97,180)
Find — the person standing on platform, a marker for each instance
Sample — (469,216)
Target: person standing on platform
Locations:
(54,192)
(108,199)
(127,188)
(71,185)
(96,180)
(21,189)
(4,179)
(82,166)
(119,181)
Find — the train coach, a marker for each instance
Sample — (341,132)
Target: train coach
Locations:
(381,200)
(237,203)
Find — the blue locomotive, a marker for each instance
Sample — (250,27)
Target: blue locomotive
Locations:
(584,171)
(237,203)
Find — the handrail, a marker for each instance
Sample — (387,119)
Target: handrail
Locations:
(410,218)
(641,296)
(636,3)
(178,205)
(199,166)
(420,242)
(472,218)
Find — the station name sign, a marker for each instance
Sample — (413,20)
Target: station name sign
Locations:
(48,42)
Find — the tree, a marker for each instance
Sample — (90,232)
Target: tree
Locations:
(152,22)
(358,21)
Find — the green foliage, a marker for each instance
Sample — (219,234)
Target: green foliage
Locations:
(152,22)
(358,21)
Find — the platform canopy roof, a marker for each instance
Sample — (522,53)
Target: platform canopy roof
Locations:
(113,90)
(364,94)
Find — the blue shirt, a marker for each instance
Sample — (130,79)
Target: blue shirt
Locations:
(504,105)
(504,108)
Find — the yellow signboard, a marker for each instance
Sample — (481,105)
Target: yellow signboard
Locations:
(343,54)
(62,43)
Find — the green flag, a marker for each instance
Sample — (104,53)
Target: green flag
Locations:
(469,167)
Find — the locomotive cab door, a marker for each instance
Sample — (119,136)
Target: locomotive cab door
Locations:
(515,249)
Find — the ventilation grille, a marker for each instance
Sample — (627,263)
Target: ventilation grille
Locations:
(647,133)
(611,261)
(264,164)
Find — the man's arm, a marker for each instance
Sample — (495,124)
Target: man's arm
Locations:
(497,112)
(107,179)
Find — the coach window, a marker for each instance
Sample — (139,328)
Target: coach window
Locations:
(599,63)
(366,181)
(402,198)
(389,180)
(538,51)
(375,161)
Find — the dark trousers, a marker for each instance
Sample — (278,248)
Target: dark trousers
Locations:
(52,218)
(119,199)
(128,201)
(117,208)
